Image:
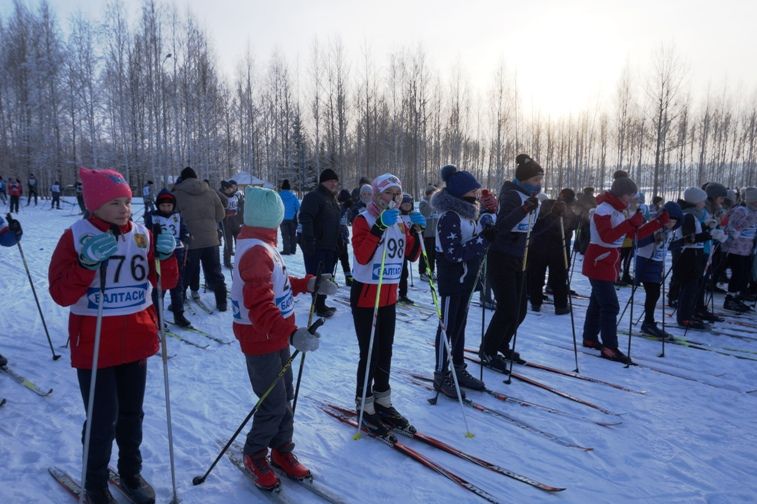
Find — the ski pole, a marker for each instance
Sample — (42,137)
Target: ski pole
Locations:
(356,436)
(198,480)
(633,291)
(570,298)
(519,308)
(483,313)
(93,373)
(310,321)
(36,299)
(664,335)
(445,343)
(156,229)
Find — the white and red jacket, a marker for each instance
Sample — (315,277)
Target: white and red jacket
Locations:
(261,293)
(129,325)
(608,228)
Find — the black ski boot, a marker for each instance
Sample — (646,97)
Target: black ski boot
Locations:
(444,383)
(3,361)
(616,355)
(180,320)
(733,304)
(467,380)
(651,329)
(371,420)
(100,495)
(494,362)
(562,310)
(321,309)
(388,413)
(220,294)
(515,356)
(139,490)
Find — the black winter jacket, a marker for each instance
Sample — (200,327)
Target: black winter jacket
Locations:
(319,217)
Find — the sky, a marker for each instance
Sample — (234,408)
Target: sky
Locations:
(565,55)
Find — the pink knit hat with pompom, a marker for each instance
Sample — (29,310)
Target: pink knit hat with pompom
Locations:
(101,186)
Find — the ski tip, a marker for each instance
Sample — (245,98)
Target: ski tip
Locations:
(469,435)
(356,436)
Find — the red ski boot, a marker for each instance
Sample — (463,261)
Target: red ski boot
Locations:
(261,471)
(287,462)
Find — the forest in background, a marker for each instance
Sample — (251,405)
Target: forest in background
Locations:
(148,98)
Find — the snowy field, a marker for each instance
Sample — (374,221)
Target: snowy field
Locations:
(689,437)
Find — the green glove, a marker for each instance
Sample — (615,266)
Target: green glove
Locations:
(96,249)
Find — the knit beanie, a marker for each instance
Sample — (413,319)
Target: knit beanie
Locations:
(327,174)
(263,208)
(715,190)
(285,185)
(674,211)
(622,186)
(343,196)
(694,195)
(458,182)
(732,196)
(526,167)
(366,189)
(187,173)
(750,195)
(384,182)
(406,198)
(101,186)
(165,196)
(619,173)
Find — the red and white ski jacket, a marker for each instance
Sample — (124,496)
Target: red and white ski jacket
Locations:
(261,328)
(124,338)
(609,228)
(366,248)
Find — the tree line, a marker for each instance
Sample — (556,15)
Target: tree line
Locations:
(148,99)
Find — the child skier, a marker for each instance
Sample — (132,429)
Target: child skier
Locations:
(127,251)
(460,247)
(378,237)
(505,261)
(650,267)
(609,228)
(170,222)
(406,207)
(741,229)
(690,266)
(264,323)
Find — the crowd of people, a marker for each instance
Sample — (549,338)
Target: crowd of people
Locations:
(467,238)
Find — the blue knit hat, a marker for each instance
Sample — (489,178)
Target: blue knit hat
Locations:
(675,212)
(458,182)
(263,208)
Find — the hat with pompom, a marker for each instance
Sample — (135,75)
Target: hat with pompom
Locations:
(459,182)
(263,208)
(694,195)
(527,168)
(101,186)
(384,182)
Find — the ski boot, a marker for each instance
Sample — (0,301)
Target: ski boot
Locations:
(514,356)
(372,422)
(261,471)
(693,324)
(405,300)
(180,320)
(616,355)
(389,414)
(137,489)
(467,380)
(443,383)
(651,329)
(562,310)
(100,495)
(494,362)
(733,304)
(285,460)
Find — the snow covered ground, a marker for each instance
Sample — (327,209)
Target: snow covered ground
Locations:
(689,438)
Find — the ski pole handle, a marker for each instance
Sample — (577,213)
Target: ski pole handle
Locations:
(315,325)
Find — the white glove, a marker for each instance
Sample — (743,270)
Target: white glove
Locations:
(303,341)
(711,223)
(719,235)
(326,286)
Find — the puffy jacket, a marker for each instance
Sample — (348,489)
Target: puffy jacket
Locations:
(601,261)
(319,217)
(741,229)
(510,213)
(269,331)
(15,189)
(201,210)
(291,204)
(124,338)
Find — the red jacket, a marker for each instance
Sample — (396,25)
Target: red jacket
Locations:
(269,331)
(15,189)
(600,262)
(124,338)
(365,243)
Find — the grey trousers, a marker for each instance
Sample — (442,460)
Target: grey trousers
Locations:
(273,423)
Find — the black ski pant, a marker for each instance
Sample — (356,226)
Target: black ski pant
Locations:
(506,278)
(177,293)
(32,192)
(327,260)
(14,204)
(674,287)
(430,243)
(403,279)
(56,201)
(741,268)
(383,340)
(230,232)
(273,423)
(289,236)
(344,258)
(211,268)
(539,259)
(455,317)
(689,269)
(626,254)
(601,313)
(652,290)
(117,414)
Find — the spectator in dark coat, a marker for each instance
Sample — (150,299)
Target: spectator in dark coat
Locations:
(319,218)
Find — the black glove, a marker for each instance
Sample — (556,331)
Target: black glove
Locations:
(14,226)
(530,204)
(489,233)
